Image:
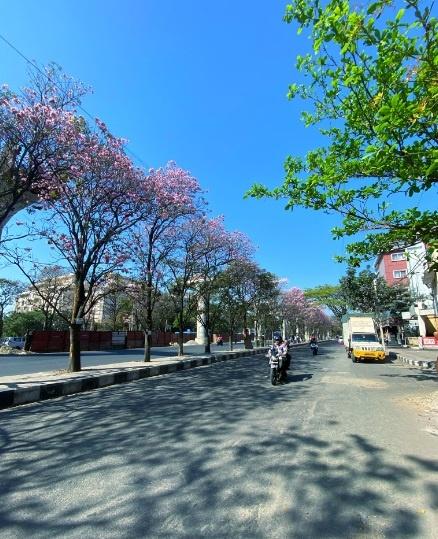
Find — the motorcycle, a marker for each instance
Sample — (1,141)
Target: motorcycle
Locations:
(314,348)
(277,367)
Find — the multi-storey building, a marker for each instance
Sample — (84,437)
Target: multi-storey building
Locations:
(408,266)
(58,291)
(53,290)
(423,285)
(393,267)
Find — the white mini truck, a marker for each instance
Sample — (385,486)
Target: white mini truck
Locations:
(360,338)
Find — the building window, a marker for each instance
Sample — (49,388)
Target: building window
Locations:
(398,256)
(399,274)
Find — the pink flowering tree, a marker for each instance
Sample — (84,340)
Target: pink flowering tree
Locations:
(246,292)
(201,248)
(174,198)
(217,249)
(317,322)
(180,267)
(302,315)
(38,130)
(87,218)
(293,308)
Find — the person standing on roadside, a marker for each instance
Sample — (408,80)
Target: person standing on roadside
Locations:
(247,339)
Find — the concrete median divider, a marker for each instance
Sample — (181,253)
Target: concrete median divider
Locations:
(421,363)
(26,392)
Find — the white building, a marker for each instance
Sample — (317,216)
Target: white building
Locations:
(58,291)
(423,285)
(417,265)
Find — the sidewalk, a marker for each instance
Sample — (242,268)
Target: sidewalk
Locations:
(25,389)
(425,359)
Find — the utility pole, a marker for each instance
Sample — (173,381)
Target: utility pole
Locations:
(378,313)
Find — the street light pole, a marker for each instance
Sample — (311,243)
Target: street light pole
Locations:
(378,314)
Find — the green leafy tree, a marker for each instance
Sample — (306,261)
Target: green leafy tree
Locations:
(164,313)
(228,296)
(364,292)
(8,292)
(249,294)
(17,324)
(330,296)
(372,89)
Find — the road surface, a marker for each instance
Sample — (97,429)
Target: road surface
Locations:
(342,451)
(11,365)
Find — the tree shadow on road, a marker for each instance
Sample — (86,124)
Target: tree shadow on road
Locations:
(420,377)
(299,377)
(212,452)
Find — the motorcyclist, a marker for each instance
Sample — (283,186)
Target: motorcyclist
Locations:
(313,344)
(280,348)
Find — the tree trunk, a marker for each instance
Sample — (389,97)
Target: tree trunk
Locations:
(181,333)
(230,338)
(147,346)
(75,326)
(207,348)
(256,333)
(46,321)
(148,339)
(1,323)
(28,340)
(75,348)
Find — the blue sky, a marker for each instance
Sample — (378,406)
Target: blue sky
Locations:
(200,83)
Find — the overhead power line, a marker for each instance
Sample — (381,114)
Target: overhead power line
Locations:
(35,66)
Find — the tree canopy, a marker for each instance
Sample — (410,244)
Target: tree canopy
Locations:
(371,84)
(365,292)
(362,291)
(329,296)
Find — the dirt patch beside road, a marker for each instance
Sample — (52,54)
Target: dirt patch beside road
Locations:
(427,406)
(426,402)
(7,350)
(358,382)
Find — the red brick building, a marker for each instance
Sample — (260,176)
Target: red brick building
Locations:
(393,267)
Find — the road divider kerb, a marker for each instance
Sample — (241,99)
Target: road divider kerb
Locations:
(35,392)
(423,364)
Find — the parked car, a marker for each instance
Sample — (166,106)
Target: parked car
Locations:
(14,342)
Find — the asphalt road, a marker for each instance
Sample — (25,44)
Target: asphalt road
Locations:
(216,452)
(11,365)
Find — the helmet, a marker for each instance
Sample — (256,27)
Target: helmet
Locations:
(277,338)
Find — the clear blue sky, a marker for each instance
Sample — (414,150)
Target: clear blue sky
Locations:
(200,83)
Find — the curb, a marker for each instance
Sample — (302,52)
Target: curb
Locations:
(423,364)
(30,393)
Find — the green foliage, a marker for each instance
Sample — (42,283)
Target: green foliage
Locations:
(329,296)
(164,314)
(363,292)
(247,294)
(8,292)
(16,324)
(372,88)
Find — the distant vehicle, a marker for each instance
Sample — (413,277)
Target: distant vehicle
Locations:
(14,342)
(314,348)
(360,338)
